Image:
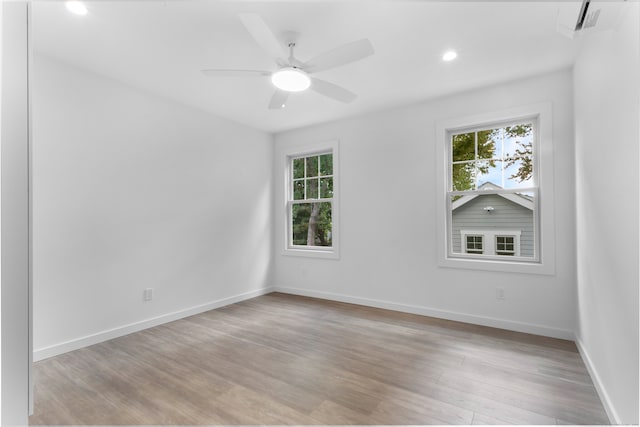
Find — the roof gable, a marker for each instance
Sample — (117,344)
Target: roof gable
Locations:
(488,186)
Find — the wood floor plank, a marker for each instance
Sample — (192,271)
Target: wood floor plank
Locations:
(283,359)
(556,405)
(333,413)
(481,419)
(260,407)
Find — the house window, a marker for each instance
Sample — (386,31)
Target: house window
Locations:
(495,179)
(491,242)
(492,185)
(505,245)
(311,203)
(474,244)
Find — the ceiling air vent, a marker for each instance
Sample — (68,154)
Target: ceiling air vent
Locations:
(577,18)
(587,18)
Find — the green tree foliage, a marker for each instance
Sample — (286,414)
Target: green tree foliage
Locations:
(467,164)
(464,149)
(524,152)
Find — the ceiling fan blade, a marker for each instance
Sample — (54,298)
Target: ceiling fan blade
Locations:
(278,100)
(332,91)
(235,73)
(341,55)
(263,35)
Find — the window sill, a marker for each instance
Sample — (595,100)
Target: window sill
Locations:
(312,253)
(526,267)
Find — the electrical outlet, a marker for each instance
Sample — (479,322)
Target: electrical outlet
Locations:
(148,294)
(500,293)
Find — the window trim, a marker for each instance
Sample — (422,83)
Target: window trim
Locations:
(332,252)
(543,164)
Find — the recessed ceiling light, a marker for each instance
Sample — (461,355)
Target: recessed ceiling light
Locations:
(449,55)
(76,7)
(291,79)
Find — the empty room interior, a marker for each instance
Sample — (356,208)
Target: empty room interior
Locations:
(337,212)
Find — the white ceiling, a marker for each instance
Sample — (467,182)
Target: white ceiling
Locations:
(161,46)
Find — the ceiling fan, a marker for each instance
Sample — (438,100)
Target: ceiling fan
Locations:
(293,75)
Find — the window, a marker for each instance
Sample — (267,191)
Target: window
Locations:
(311,203)
(493,168)
(505,245)
(474,244)
(492,183)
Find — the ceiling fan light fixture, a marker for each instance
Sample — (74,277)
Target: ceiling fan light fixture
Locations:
(291,79)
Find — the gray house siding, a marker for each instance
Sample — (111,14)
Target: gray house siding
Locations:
(506,215)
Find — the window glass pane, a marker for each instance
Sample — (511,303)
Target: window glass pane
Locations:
(311,224)
(519,148)
(456,238)
(506,221)
(489,171)
(298,190)
(463,178)
(518,138)
(518,173)
(326,164)
(312,188)
(489,144)
(474,242)
(326,188)
(463,147)
(298,168)
(312,166)
(504,243)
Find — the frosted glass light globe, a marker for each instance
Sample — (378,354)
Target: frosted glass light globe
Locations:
(291,79)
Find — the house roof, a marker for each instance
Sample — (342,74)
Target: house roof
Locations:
(520,199)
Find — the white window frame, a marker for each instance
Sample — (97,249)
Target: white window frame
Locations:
(544,261)
(332,252)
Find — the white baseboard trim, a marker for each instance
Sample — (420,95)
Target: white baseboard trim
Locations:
(75,344)
(595,378)
(432,312)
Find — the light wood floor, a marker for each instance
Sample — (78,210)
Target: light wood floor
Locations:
(281,359)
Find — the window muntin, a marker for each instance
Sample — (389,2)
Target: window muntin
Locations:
(492,185)
(310,201)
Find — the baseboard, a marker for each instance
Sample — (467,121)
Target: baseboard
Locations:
(595,378)
(432,312)
(75,344)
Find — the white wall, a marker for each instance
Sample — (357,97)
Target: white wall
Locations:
(607,98)
(388,217)
(132,191)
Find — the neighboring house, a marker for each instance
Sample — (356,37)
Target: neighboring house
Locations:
(493,224)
